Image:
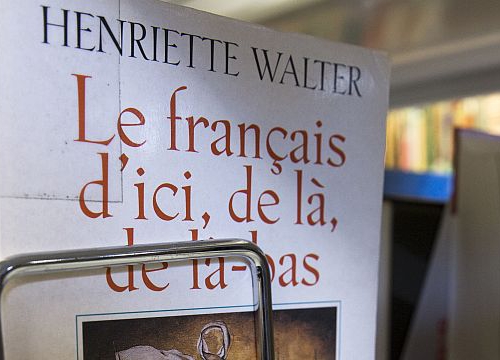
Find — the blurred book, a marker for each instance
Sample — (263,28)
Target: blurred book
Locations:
(420,138)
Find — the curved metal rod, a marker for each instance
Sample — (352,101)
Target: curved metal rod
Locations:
(60,261)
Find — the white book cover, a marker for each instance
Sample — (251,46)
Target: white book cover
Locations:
(474,293)
(130,122)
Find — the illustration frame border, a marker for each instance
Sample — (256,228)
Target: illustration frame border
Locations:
(79,318)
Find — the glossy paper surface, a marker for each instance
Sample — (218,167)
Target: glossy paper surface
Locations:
(136,122)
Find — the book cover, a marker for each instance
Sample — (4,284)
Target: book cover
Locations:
(474,294)
(128,122)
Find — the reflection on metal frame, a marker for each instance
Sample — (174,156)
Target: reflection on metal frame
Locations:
(141,254)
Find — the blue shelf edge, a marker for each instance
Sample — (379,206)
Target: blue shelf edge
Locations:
(421,187)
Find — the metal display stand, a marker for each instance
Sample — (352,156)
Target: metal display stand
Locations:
(86,259)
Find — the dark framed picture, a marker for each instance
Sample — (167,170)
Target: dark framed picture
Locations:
(307,333)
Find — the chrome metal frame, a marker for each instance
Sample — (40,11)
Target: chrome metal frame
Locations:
(167,252)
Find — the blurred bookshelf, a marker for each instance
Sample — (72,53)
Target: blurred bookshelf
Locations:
(419,155)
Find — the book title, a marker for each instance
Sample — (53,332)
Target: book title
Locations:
(302,147)
(244,206)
